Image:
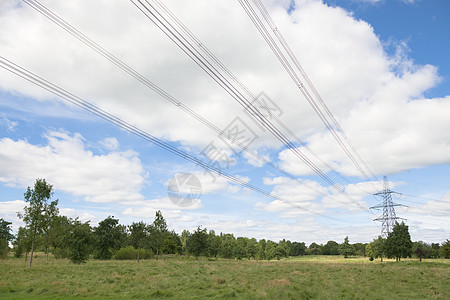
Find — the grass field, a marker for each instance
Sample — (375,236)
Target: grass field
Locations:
(309,277)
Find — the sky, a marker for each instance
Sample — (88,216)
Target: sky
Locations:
(380,66)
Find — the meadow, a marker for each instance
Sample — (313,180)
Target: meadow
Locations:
(307,277)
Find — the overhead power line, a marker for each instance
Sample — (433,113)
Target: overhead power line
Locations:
(149,84)
(77,101)
(287,61)
(189,47)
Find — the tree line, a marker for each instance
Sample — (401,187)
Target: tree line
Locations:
(46,230)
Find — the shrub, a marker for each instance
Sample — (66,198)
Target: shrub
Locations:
(147,254)
(126,253)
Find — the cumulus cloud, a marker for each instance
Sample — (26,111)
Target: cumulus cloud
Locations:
(70,167)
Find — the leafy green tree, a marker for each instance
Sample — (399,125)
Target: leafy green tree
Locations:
(421,249)
(5,237)
(80,242)
(283,248)
(261,254)
(172,243)
(227,245)
(22,243)
(444,250)
(240,250)
(346,249)
(359,249)
(378,248)
(49,230)
(108,238)
(158,232)
(196,244)
(184,237)
(213,244)
(398,242)
(60,230)
(252,248)
(138,236)
(331,248)
(314,249)
(36,212)
(298,249)
(272,251)
(434,252)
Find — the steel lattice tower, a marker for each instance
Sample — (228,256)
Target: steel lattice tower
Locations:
(389,217)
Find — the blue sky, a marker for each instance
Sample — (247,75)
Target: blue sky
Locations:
(381,67)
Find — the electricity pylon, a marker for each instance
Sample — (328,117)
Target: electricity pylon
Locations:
(388,218)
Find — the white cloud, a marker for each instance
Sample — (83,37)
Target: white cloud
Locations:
(9,210)
(110,143)
(8,124)
(65,163)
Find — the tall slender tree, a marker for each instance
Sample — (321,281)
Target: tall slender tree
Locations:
(158,233)
(138,235)
(36,213)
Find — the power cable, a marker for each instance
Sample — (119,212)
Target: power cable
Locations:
(154,15)
(142,79)
(75,100)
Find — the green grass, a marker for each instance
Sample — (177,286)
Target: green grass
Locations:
(310,277)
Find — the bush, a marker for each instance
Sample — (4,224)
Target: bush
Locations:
(125,253)
(147,254)
(130,253)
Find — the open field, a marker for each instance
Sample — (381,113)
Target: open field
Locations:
(321,277)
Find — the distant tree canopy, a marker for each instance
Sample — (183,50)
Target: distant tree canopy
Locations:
(46,230)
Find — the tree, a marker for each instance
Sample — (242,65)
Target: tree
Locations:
(314,249)
(213,244)
(172,243)
(184,237)
(398,242)
(444,251)
(421,249)
(138,235)
(227,245)
(252,248)
(359,249)
(346,249)
(434,252)
(196,244)
(108,236)
(80,241)
(261,254)
(36,213)
(60,230)
(49,230)
(378,248)
(158,232)
(271,251)
(240,250)
(331,248)
(5,237)
(298,249)
(22,243)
